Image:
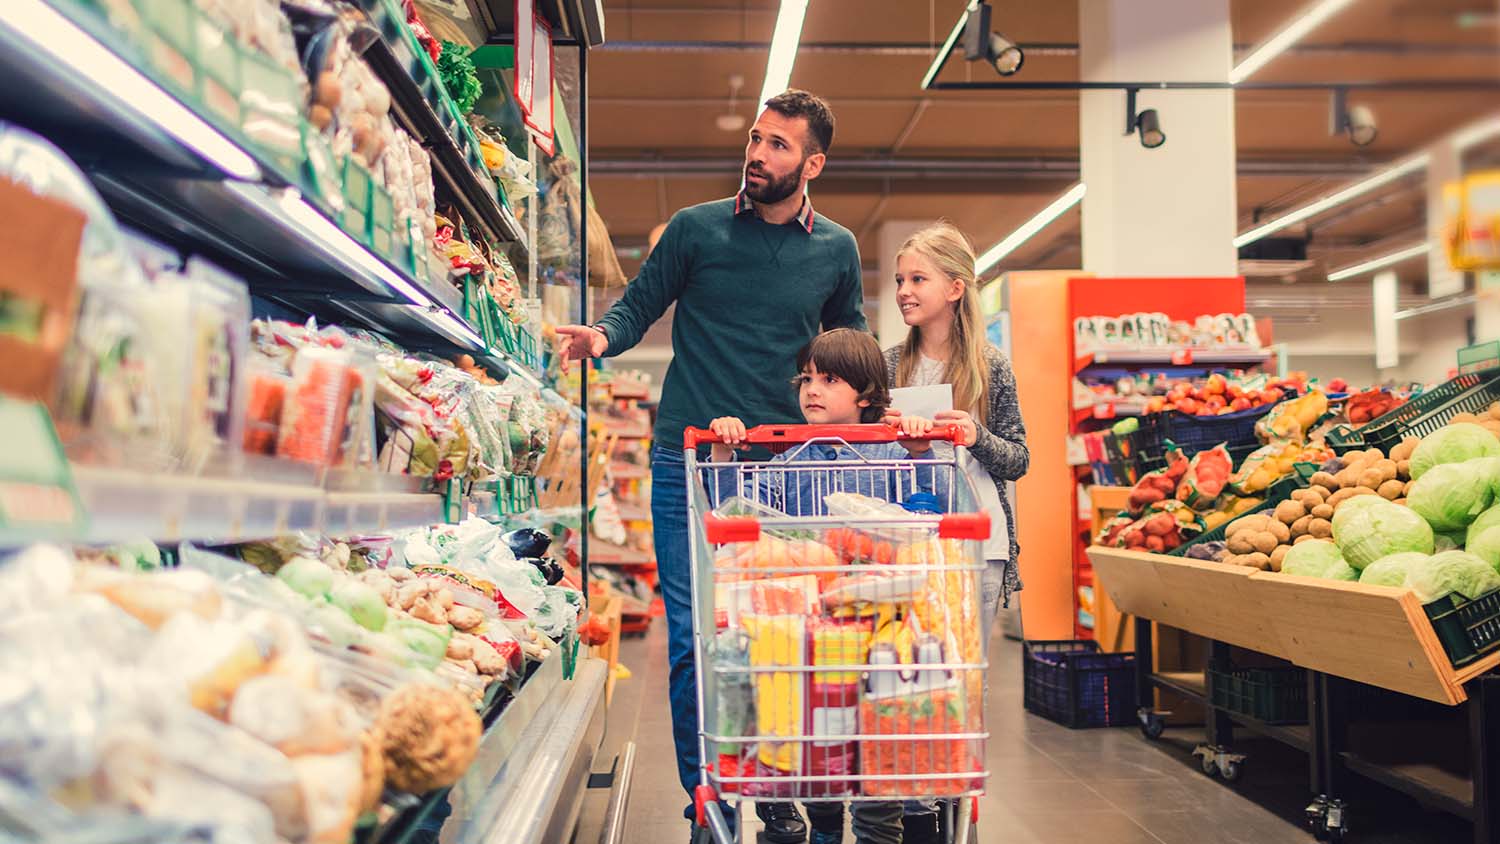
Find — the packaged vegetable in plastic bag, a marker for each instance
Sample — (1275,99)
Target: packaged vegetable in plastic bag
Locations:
(1206,478)
(1265,466)
(736,705)
(1158,484)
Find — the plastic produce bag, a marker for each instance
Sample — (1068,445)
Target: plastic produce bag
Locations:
(1206,479)
(736,704)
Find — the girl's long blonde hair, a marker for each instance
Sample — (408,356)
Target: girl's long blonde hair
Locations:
(967,370)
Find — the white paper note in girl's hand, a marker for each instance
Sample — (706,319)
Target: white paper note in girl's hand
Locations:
(925,402)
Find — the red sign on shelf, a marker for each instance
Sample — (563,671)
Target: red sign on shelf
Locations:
(1104,411)
(1182,357)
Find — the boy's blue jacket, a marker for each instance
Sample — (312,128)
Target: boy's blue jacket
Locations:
(801,492)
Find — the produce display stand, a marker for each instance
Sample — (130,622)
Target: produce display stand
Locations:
(1349,637)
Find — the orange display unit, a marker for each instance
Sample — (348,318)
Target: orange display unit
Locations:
(1053,534)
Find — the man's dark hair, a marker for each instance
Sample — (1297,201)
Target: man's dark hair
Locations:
(810,107)
(855,357)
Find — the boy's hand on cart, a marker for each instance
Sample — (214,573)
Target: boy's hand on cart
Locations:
(892,417)
(580,342)
(963,420)
(732,431)
(913,426)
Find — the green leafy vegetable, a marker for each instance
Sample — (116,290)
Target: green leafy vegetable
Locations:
(1318,558)
(1451,495)
(1486,546)
(459,76)
(1392,570)
(1452,571)
(308,576)
(1452,444)
(1368,527)
(362,602)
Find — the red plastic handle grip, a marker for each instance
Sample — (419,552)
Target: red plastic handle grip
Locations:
(723,529)
(964,526)
(789,435)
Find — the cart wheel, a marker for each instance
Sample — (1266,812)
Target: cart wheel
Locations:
(1230,771)
(1317,818)
(1210,767)
(1152,725)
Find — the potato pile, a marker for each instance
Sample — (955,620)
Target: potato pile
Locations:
(1488,420)
(1369,472)
(1263,540)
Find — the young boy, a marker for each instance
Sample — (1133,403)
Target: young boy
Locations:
(842,381)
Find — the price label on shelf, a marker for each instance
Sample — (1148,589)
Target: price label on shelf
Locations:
(1104,410)
(1182,357)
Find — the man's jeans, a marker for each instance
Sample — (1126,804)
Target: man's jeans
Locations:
(674,571)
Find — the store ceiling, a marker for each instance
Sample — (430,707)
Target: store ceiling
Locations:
(988,160)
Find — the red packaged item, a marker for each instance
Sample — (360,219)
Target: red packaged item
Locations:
(1206,478)
(1160,484)
(315,416)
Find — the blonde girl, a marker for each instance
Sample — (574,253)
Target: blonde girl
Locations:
(937,291)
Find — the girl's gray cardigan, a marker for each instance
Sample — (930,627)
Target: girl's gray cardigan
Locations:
(1000,446)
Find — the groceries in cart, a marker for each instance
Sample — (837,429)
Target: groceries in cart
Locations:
(845,649)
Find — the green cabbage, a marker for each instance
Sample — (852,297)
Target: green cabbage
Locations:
(308,576)
(1447,541)
(1488,519)
(1452,571)
(1392,570)
(362,602)
(1369,527)
(1453,444)
(1451,495)
(335,626)
(1318,558)
(1486,546)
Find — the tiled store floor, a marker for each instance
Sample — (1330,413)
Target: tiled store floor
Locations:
(1049,784)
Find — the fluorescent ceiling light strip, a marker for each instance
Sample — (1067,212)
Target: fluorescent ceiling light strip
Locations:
(783,49)
(67,45)
(1459,301)
(1309,19)
(1477,133)
(958,31)
(1384,177)
(1028,229)
(1381,262)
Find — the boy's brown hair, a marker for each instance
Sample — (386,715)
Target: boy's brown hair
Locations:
(855,357)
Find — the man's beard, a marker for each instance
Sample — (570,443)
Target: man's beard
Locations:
(773,190)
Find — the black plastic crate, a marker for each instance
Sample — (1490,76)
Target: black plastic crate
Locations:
(1193,434)
(1471,392)
(1467,629)
(1269,695)
(1072,683)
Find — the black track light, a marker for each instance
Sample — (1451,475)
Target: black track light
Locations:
(981,42)
(1147,124)
(1358,122)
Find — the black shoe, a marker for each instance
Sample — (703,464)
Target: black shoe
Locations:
(783,823)
(920,829)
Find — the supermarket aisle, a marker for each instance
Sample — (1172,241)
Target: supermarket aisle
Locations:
(1050,785)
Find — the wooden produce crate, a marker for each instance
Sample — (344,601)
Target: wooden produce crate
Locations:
(1376,635)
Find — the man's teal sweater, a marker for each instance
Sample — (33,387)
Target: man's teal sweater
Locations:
(749,296)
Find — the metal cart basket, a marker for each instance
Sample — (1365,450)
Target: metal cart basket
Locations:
(836,617)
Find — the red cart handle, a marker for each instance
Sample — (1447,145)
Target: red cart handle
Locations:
(779,438)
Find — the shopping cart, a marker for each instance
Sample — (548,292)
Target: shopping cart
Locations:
(837,634)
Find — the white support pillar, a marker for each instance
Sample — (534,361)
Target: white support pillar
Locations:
(1168,211)
(890,329)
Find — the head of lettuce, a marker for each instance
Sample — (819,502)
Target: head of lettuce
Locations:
(1368,527)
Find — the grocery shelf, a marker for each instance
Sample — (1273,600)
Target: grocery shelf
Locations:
(528,777)
(179,176)
(621,471)
(603,553)
(129,504)
(1177,357)
(1432,784)
(392,59)
(1191,685)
